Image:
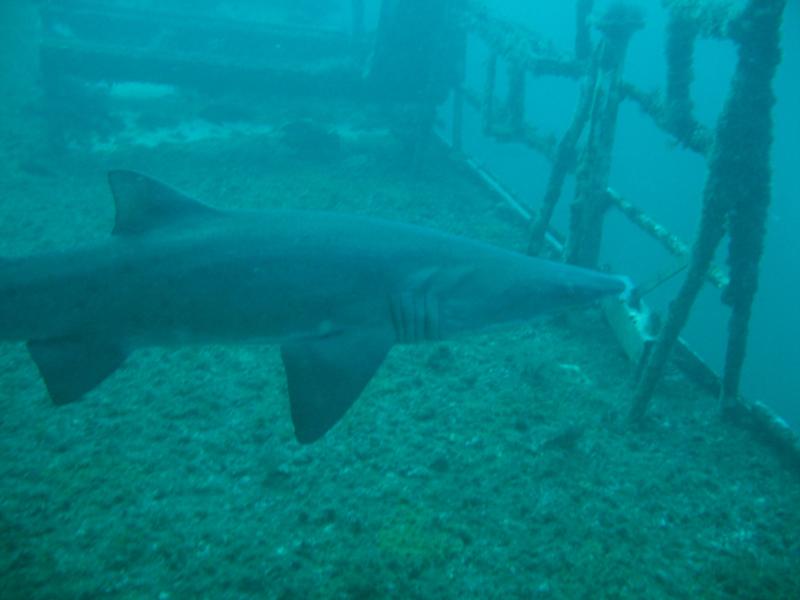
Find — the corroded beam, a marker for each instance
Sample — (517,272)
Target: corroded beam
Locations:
(735,199)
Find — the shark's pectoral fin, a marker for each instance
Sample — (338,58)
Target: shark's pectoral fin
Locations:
(326,375)
(71,367)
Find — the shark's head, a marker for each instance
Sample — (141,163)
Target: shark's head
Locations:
(521,290)
(575,286)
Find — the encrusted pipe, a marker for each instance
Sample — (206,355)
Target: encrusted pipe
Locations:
(712,228)
(668,240)
(563,163)
(460,42)
(749,141)
(516,99)
(737,191)
(617,26)
(681,35)
(488,93)
(583,37)
(652,105)
(458,118)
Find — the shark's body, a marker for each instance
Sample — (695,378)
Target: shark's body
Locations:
(336,292)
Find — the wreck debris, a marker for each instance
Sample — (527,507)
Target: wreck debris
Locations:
(735,199)
(668,240)
(563,162)
(618,24)
(737,189)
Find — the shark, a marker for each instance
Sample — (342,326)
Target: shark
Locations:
(336,291)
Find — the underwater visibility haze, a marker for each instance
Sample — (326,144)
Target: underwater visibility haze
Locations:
(223,222)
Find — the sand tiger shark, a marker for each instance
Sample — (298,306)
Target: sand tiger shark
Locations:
(336,292)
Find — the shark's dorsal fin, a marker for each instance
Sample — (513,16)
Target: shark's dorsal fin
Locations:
(144,203)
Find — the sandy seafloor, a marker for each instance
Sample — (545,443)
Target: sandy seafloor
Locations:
(497,466)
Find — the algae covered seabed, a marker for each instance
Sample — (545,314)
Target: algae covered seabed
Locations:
(497,466)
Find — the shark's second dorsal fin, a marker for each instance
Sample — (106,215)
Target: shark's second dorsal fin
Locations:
(73,366)
(143,203)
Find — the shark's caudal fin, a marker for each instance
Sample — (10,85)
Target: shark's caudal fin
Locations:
(326,375)
(144,204)
(72,367)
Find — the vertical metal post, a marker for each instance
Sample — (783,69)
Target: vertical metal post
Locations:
(591,201)
(565,152)
(488,94)
(583,38)
(745,156)
(516,99)
(735,198)
(460,42)
(681,35)
(563,161)
(458,118)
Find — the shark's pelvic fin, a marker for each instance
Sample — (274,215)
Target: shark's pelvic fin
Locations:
(144,203)
(326,375)
(71,367)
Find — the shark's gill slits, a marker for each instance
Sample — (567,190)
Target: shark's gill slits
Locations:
(415,317)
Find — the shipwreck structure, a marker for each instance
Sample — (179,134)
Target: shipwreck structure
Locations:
(737,190)
(414,56)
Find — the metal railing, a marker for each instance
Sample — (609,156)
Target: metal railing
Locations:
(737,189)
